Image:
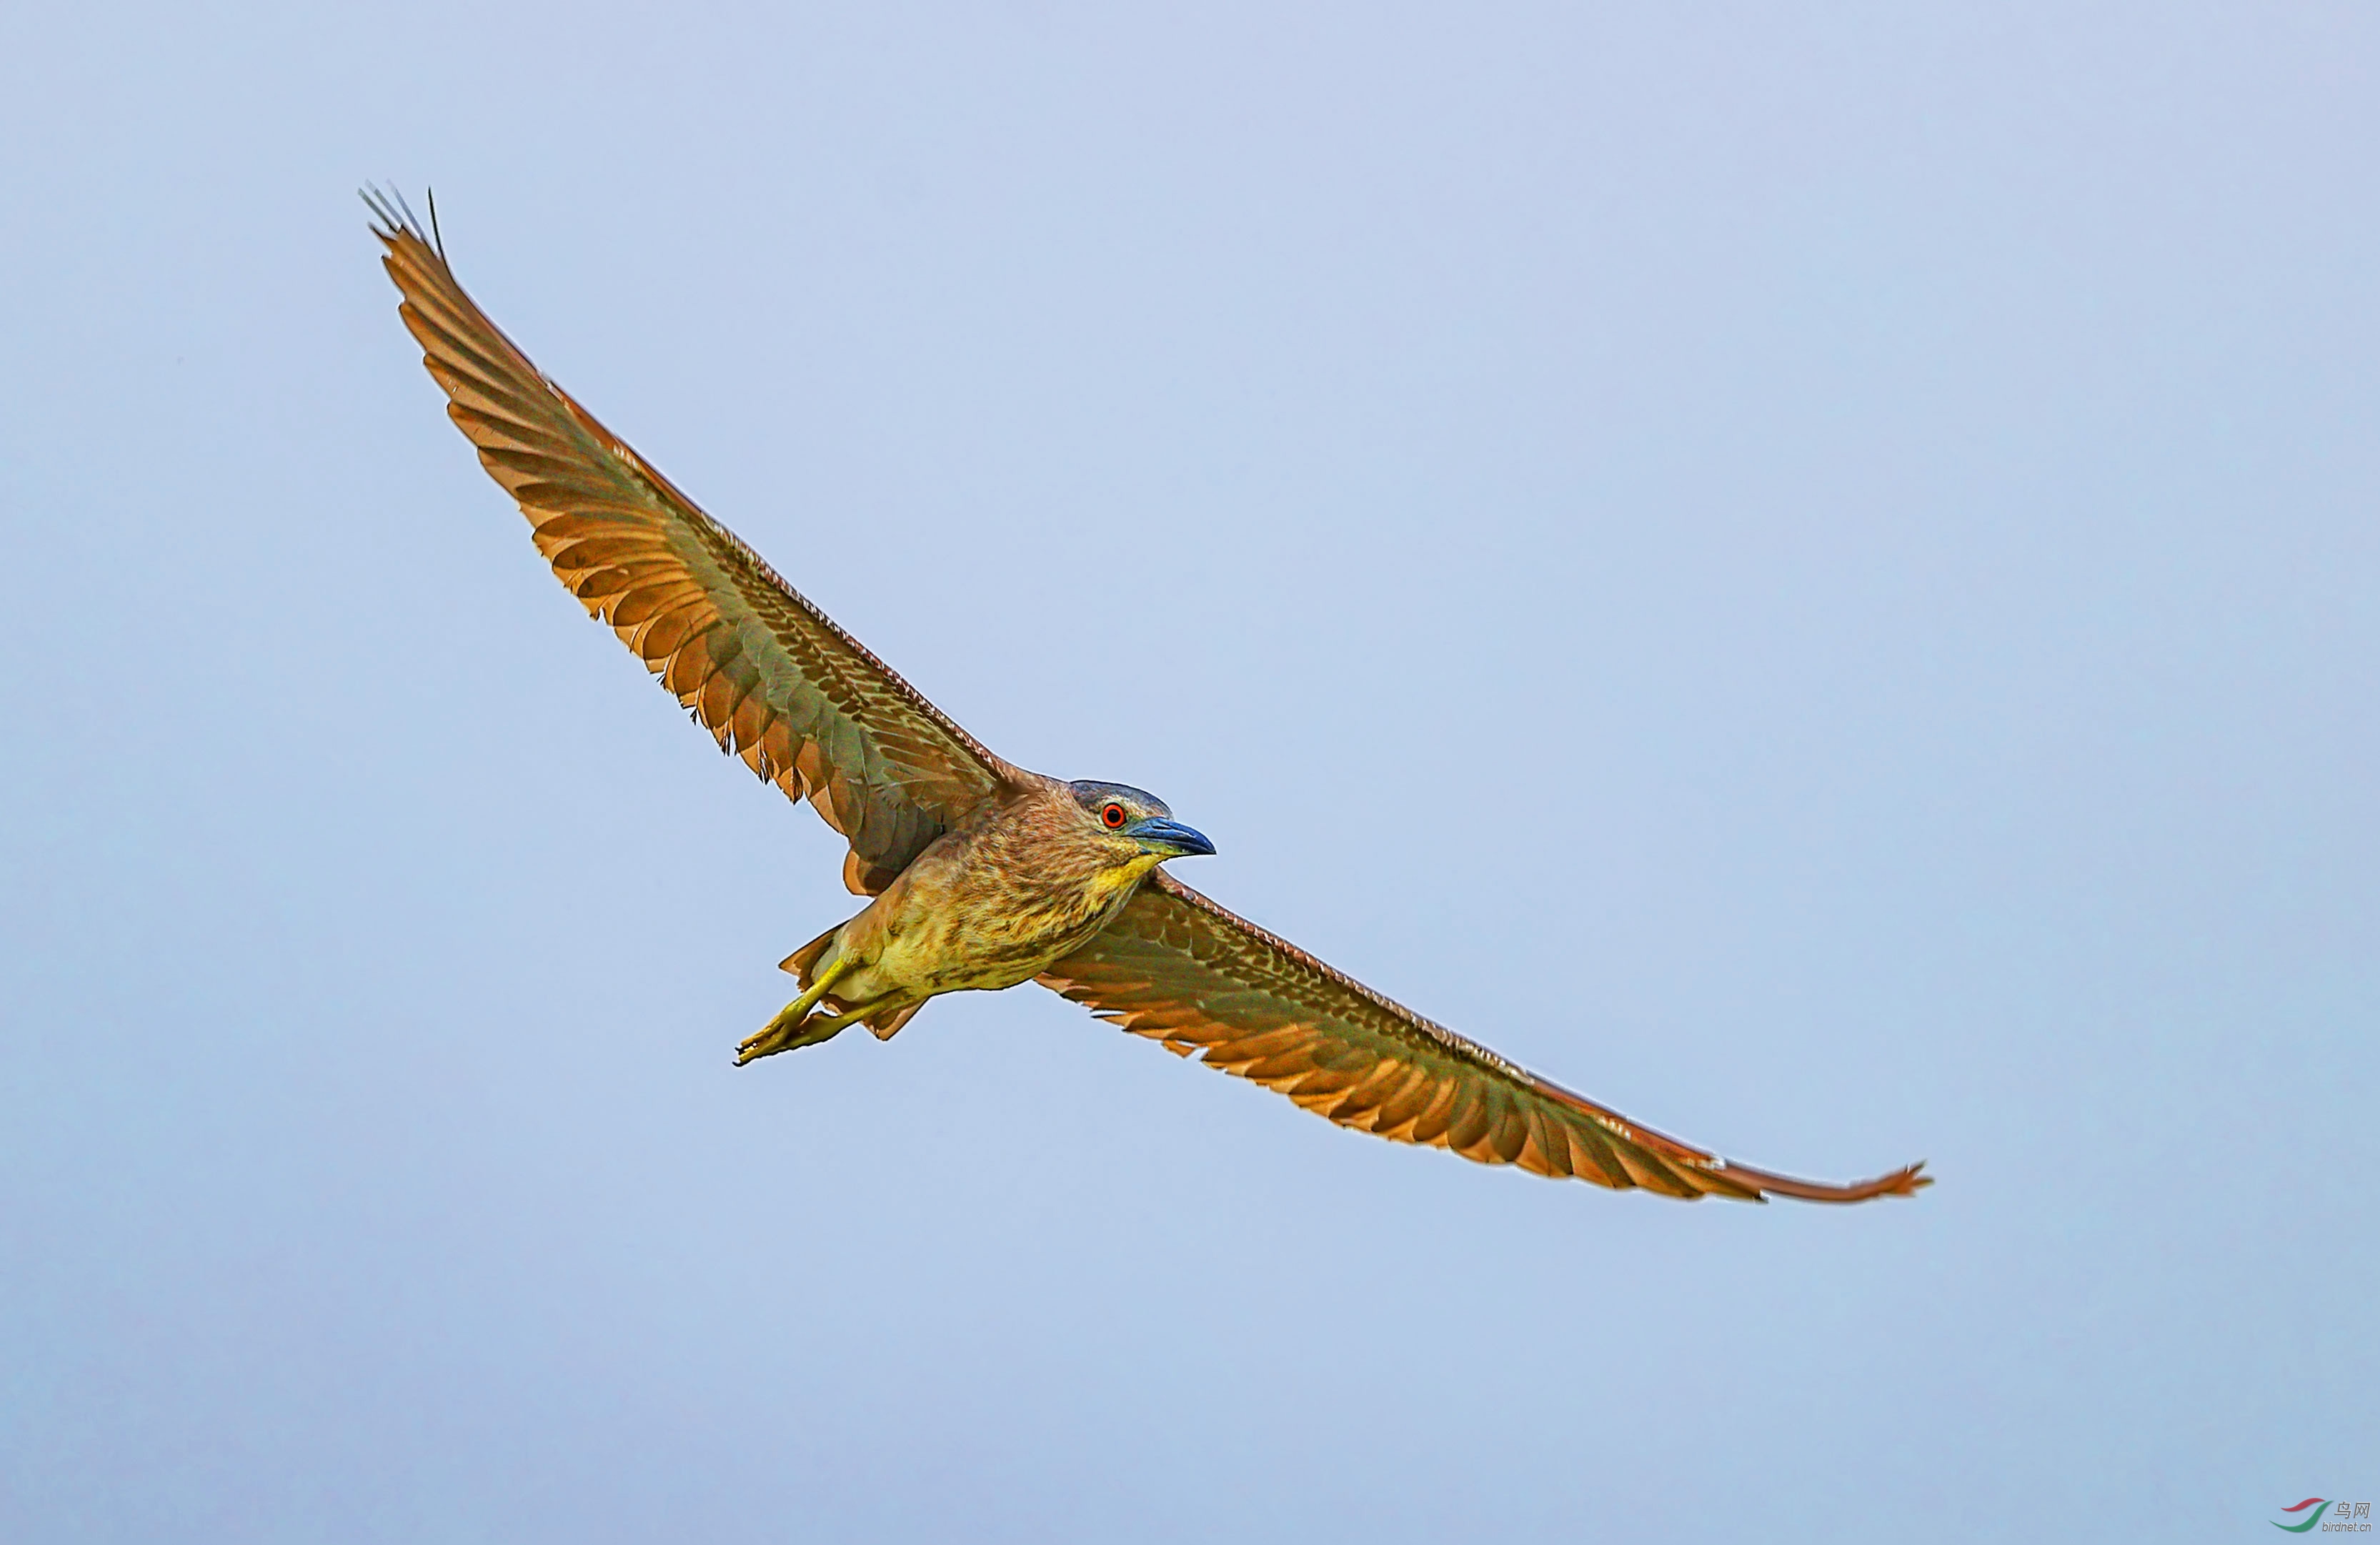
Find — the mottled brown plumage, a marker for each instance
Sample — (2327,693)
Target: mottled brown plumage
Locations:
(1028,877)
(981,874)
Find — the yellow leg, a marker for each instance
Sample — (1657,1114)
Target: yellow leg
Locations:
(784,1032)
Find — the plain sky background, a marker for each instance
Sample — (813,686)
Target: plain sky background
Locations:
(1813,573)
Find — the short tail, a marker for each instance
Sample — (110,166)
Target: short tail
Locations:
(803,962)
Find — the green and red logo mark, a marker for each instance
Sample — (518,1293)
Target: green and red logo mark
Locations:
(2345,1517)
(2311,1507)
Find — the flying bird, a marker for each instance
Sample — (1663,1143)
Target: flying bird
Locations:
(979,874)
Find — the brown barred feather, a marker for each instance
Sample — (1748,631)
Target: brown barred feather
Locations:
(1391,1095)
(1255,1001)
(756,662)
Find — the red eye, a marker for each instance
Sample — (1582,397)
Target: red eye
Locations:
(1112,817)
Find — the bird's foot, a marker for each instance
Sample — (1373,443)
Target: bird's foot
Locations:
(784,1034)
(798,1023)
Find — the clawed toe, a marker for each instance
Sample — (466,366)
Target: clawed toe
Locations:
(782,1037)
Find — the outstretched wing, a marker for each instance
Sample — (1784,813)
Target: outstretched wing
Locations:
(1178,968)
(767,673)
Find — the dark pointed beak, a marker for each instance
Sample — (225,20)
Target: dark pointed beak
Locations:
(1159,834)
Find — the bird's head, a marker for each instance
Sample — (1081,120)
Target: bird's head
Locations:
(1135,826)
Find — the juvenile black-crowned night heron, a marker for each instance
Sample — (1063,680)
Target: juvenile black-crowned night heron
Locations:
(980,873)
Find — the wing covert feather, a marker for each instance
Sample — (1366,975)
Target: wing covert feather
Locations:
(770,676)
(1178,968)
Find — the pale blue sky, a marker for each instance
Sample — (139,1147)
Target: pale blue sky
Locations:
(1813,573)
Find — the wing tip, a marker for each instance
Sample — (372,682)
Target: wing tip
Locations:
(393,220)
(1907,1181)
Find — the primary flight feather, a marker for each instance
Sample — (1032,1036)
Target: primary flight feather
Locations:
(982,874)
